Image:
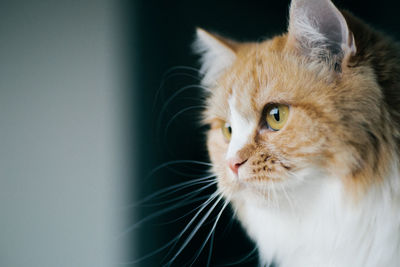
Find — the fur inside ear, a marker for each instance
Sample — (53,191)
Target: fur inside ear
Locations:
(319,30)
(217,54)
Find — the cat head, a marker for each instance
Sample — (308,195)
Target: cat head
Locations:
(299,107)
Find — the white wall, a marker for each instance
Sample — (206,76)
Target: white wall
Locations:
(62,133)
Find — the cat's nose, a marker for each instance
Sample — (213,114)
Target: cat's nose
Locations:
(234,164)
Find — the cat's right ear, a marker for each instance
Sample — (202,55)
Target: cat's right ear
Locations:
(217,54)
(318,30)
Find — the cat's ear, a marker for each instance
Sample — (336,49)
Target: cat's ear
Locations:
(318,30)
(217,54)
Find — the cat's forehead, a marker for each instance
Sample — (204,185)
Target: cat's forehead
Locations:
(265,73)
(247,82)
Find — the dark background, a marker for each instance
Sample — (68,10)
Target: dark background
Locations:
(166,30)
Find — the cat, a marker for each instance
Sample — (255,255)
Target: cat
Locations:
(304,137)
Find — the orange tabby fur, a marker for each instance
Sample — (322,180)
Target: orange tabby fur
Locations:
(324,188)
(347,119)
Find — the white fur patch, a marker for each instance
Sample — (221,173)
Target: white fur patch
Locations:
(323,228)
(242,128)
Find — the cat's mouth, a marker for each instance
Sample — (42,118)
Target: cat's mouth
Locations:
(259,171)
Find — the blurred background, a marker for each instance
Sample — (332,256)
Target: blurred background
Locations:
(99,109)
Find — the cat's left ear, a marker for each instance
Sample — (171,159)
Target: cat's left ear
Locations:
(318,30)
(217,54)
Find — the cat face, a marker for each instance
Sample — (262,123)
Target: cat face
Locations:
(264,77)
(293,109)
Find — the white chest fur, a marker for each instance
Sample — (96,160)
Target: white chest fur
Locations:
(319,228)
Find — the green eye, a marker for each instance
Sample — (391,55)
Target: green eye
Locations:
(276,116)
(226,131)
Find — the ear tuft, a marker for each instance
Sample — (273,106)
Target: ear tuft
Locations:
(318,30)
(217,54)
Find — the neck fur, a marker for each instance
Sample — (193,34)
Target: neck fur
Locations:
(324,223)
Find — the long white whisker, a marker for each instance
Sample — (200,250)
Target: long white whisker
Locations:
(203,206)
(150,254)
(211,232)
(188,213)
(175,239)
(179,113)
(186,196)
(169,74)
(165,105)
(289,200)
(195,229)
(228,227)
(180,67)
(247,257)
(211,248)
(165,164)
(154,215)
(166,191)
(275,198)
(191,175)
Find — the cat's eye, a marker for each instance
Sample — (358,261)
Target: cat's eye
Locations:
(276,116)
(226,131)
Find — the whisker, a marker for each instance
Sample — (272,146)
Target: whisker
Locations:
(247,257)
(168,163)
(275,199)
(181,67)
(192,174)
(169,74)
(154,215)
(165,191)
(149,254)
(190,194)
(187,214)
(289,201)
(195,229)
(162,84)
(175,239)
(165,105)
(230,224)
(203,206)
(179,113)
(211,232)
(210,250)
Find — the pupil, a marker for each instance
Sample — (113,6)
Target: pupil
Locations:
(228,128)
(275,112)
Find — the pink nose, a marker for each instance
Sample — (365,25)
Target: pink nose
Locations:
(234,164)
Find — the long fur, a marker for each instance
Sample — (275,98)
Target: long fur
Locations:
(325,189)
